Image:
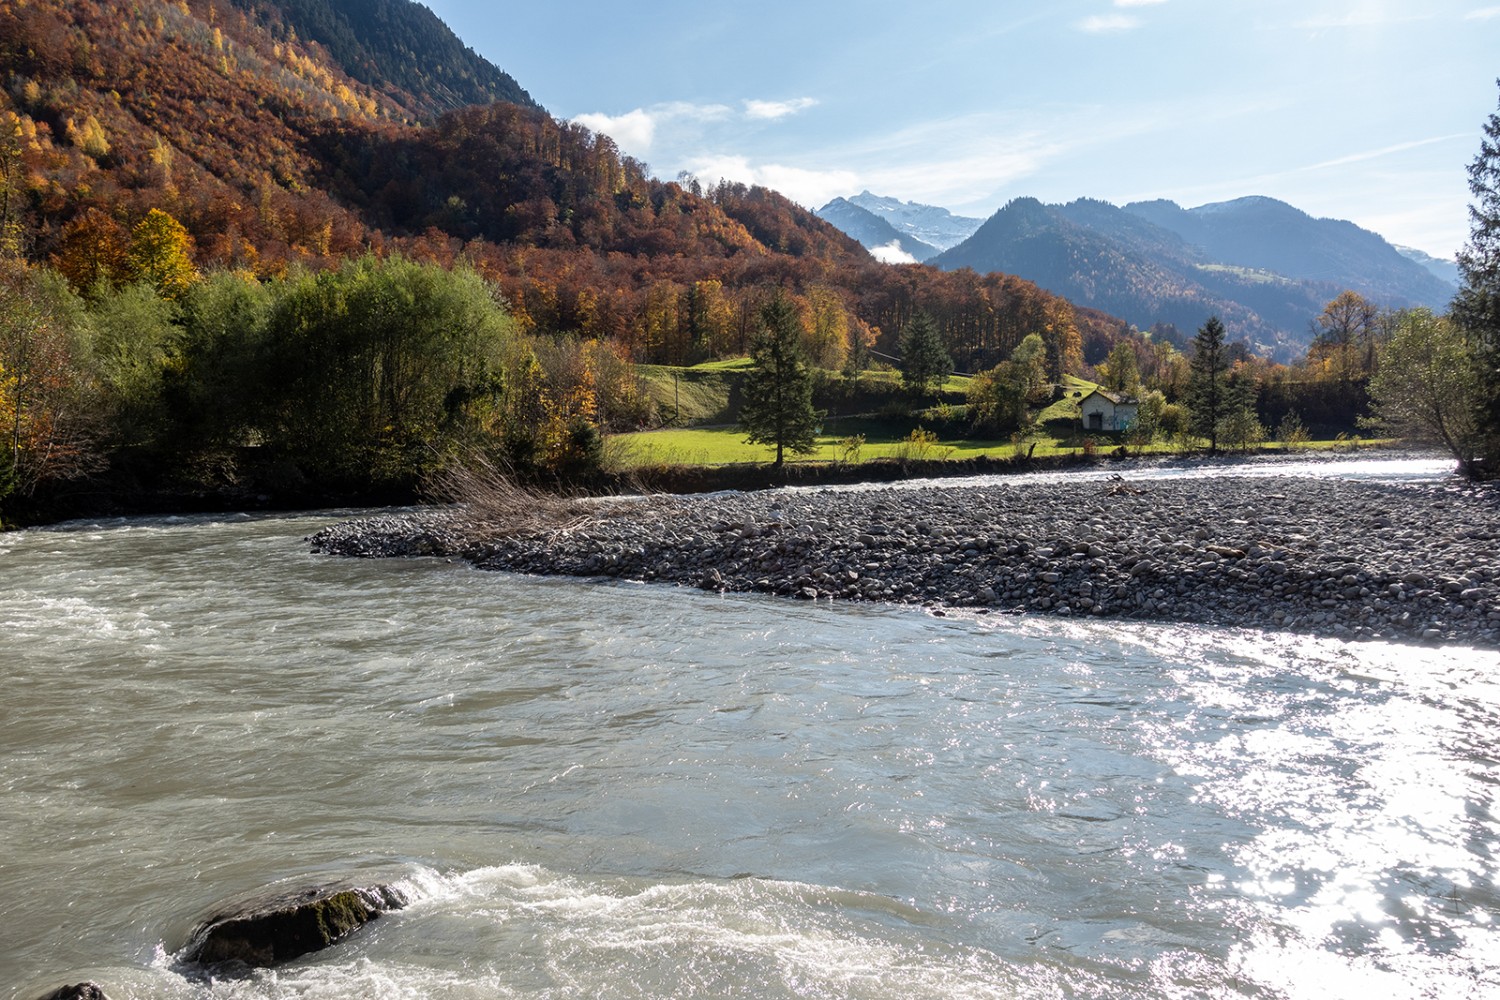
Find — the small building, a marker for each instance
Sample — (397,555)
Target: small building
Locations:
(1108,411)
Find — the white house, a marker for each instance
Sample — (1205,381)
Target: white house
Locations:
(1108,411)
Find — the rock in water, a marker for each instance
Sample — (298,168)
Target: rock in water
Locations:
(83,991)
(276,930)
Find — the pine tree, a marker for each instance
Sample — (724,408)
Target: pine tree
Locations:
(1208,384)
(1477,306)
(925,363)
(778,408)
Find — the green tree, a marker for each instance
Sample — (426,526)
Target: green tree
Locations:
(49,403)
(1476,309)
(135,337)
(213,394)
(1238,426)
(1000,399)
(1122,370)
(370,373)
(1430,384)
(925,363)
(1208,382)
(778,408)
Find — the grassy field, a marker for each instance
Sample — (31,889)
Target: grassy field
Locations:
(727,446)
(699,406)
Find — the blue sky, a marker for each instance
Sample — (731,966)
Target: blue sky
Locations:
(1367,110)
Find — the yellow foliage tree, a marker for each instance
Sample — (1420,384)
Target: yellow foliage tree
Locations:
(161,252)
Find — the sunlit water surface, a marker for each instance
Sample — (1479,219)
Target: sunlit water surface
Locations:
(607,790)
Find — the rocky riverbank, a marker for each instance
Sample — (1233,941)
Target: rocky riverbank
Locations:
(1339,558)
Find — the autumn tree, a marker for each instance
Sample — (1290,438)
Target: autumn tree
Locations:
(1344,336)
(95,252)
(925,363)
(1476,309)
(12,193)
(161,254)
(1208,383)
(778,408)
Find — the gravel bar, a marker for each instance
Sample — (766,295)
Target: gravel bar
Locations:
(1350,559)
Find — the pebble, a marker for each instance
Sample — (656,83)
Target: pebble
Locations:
(1265,552)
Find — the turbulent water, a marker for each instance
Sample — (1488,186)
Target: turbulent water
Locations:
(605,790)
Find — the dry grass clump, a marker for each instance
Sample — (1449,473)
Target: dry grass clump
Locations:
(491,502)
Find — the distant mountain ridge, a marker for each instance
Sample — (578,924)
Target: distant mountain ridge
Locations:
(1264,233)
(928,224)
(877,235)
(1446,270)
(1263,266)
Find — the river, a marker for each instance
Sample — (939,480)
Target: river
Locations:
(614,790)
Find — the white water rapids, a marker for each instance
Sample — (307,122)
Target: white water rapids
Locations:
(610,790)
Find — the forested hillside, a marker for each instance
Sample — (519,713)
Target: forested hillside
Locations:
(397,47)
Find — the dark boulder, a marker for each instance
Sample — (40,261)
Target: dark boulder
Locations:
(271,931)
(83,991)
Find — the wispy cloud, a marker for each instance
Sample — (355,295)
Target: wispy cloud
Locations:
(772,110)
(1482,14)
(1138,3)
(1364,15)
(1103,24)
(1375,154)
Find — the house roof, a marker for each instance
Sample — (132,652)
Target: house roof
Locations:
(1117,398)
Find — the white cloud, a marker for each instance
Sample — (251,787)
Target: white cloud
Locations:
(892,253)
(1482,14)
(1101,24)
(633,131)
(1138,3)
(636,131)
(772,110)
(809,188)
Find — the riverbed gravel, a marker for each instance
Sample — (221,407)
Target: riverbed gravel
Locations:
(1349,559)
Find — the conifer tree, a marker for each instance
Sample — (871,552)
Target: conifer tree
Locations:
(924,361)
(1208,385)
(778,408)
(1477,306)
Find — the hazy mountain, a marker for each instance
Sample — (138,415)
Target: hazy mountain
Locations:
(1264,267)
(877,235)
(937,227)
(1445,269)
(1268,234)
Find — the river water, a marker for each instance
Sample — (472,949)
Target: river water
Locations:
(613,790)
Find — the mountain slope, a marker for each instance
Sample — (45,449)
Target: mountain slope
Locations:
(396,47)
(1262,266)
(1267,234)
(875,234)
(1127,268)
